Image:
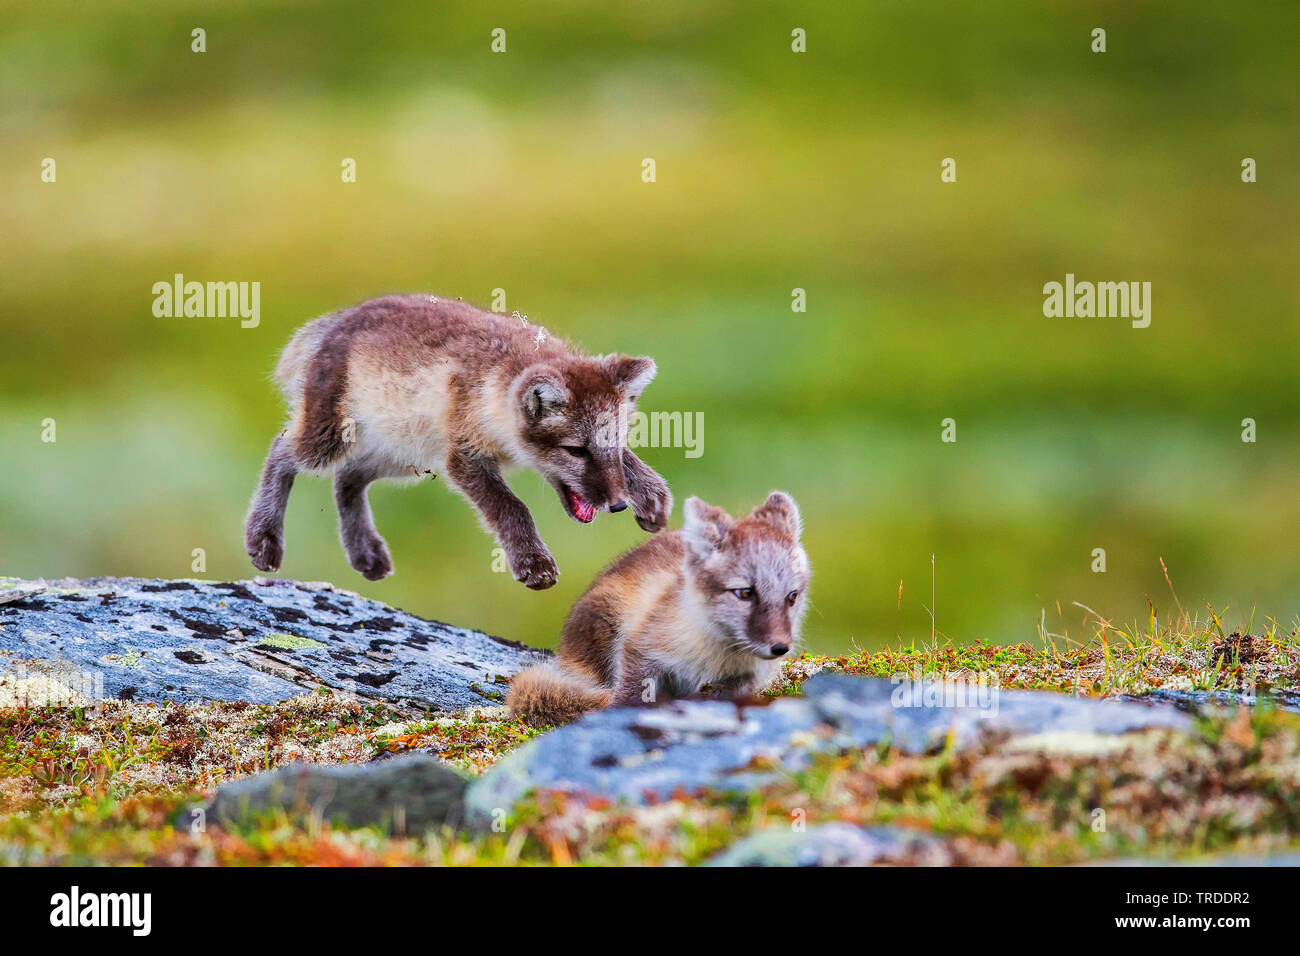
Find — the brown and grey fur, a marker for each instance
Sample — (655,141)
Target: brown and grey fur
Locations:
(664,620)
(404,386)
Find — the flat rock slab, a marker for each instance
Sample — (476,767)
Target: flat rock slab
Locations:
(258,641)
(408,794)
(635,754)
(631,753)
(834,844)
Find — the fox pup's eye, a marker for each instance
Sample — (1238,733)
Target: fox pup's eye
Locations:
(791,598)
(745,594)
(577,451)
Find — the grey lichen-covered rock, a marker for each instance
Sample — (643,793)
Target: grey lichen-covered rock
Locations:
(833,844)
(920,716)
(630,753)
(633,753)
(408,794)
(1203,701)
(1289,860)
(258,641)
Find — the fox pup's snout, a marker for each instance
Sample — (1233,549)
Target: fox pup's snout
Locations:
(750,573)
(593,480)
(573,424)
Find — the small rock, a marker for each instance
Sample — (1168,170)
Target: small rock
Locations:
(1216,701)
(833,844)
(407,794)
(1275,859)
(1071,743)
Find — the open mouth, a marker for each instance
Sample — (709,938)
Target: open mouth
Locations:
(578,507)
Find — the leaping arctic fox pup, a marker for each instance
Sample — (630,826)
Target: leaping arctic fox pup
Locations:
(403,386)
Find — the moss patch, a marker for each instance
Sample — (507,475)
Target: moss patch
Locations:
(288,642)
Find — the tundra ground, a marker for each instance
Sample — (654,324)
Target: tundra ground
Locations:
(100,785)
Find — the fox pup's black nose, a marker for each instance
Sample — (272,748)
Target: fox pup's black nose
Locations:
(779,649)
(618,506)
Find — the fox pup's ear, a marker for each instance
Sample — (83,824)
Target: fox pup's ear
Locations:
(705,527)
(779,509)
(631,375)
(541,391)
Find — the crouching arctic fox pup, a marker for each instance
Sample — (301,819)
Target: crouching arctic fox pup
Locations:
(404,386)
(708,609)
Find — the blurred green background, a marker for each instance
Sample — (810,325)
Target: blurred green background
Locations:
(775,170)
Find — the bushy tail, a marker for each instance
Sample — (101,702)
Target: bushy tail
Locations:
(554,694)
(291,370)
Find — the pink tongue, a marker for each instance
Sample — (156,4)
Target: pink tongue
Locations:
(581,510)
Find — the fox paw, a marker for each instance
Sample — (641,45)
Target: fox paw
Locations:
(653,507)
(265,548)
(372,559)
(535,568)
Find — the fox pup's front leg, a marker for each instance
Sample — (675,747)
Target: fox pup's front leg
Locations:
(508,517)
(651,500)
(732,688)
(639,681)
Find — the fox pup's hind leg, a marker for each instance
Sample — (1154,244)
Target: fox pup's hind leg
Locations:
(366,550)
(480,481)
(264,529)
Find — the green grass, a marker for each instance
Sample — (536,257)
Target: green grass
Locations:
(1186,654)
